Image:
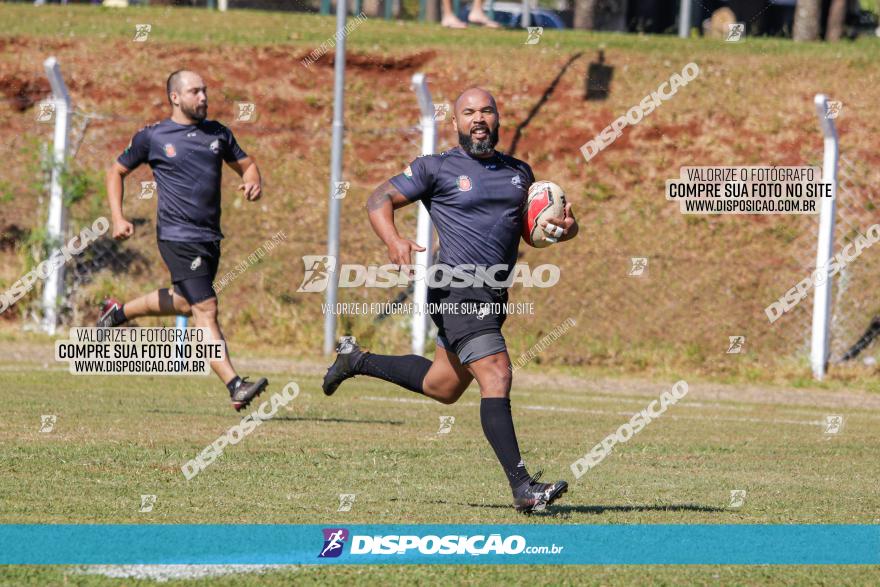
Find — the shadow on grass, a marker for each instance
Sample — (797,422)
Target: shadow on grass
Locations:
(601,509)
(333,420)
(297,418)
(560,510)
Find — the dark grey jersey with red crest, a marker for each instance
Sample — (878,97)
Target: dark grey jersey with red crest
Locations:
(186,162)
(476,204)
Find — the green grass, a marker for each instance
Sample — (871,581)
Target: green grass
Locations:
(481,575)
(260,28)
(119,437)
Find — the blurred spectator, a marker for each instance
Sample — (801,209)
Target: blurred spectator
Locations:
(475,16)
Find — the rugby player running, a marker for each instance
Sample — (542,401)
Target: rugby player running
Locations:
(475,196)
(186,153)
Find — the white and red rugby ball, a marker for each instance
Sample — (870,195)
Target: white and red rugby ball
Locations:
(545,200)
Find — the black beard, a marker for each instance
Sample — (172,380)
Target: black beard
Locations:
(194,113)
(477,148)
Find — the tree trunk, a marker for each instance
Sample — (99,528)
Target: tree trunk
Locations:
(836,17)
(585,14)
(432,11)
(806,20)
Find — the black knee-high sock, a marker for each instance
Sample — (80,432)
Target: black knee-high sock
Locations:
(406,371)
(498,428)
(119,316)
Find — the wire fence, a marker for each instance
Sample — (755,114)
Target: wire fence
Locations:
(696,287)
(856,299)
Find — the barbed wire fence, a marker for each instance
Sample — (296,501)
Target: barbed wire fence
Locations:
(856,297)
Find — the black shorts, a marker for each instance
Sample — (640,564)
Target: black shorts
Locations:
(193,267)
(469,320)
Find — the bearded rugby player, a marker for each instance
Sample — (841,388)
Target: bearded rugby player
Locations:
(186,153)
(476,198)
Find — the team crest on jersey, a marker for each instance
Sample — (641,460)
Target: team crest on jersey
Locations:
(517,181)
(408,172)
(170,151)
(215,146)
(464,183)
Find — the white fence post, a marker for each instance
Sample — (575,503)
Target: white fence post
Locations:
(824,249)
(56,225)
(335,177)
(180,323)
(423,232)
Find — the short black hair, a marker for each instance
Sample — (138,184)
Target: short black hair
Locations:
(173,84)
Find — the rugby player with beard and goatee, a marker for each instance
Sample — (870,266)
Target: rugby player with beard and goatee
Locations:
(475,196)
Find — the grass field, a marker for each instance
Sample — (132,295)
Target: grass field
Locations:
(752,421)
(118,438)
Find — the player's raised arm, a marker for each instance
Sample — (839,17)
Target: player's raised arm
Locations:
(381,206)
(122,228)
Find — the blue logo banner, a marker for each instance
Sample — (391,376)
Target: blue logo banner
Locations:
(444,544)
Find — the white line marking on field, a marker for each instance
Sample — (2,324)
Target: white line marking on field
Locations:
(400,400)
(676,417)
(13,369)
(746,406)
(624,400)
(164,573)
(610,413)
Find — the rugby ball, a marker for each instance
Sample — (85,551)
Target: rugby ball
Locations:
(545,200)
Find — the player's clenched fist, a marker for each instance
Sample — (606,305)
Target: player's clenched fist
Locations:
(400,251)
(252,191)
(122,229)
